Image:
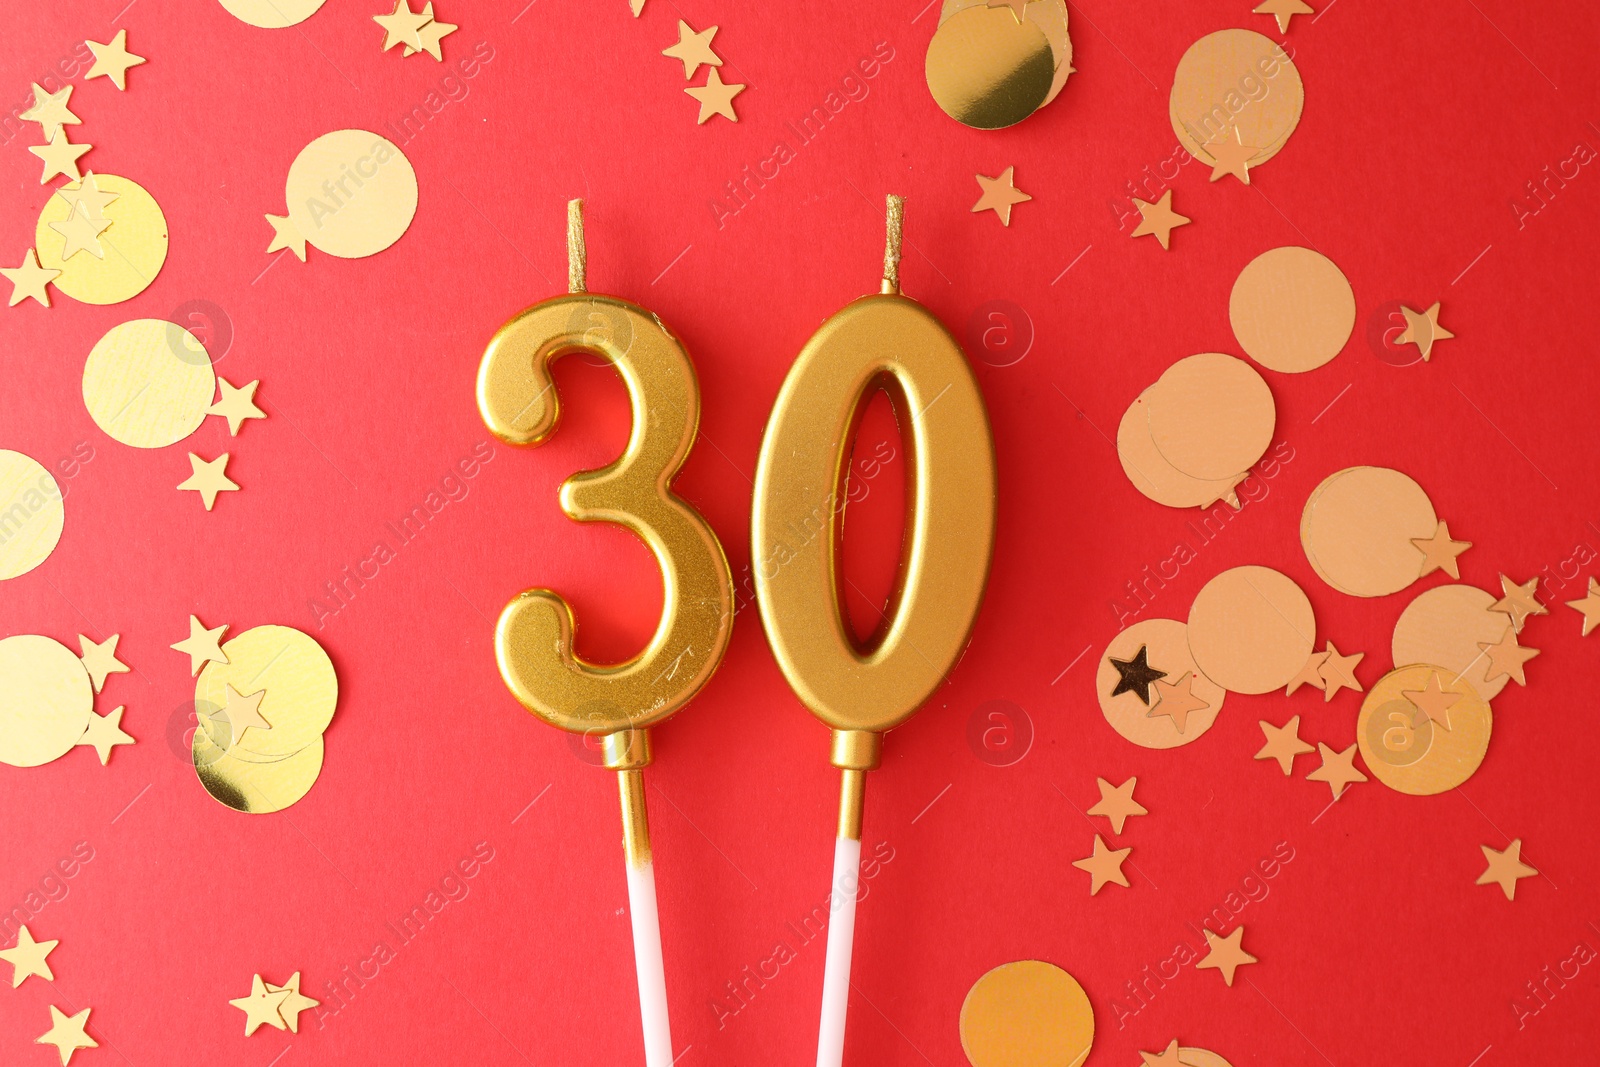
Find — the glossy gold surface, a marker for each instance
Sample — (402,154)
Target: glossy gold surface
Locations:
(987,70)
(635,821)
(852,798)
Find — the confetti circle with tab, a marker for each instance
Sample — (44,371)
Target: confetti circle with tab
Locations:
(1358,526)
(351,193)
(1165,643)
(1051,17)
(1026,1014)
(32,514)
(272,14)
(1251,629)
(1211,415)
(45,702)
(1236,79)
(987,70)
(256,788)
(300,690)
(1398,751)
(134,245)
(1449,625)
(1292,309)
(1150,472)
(147,383)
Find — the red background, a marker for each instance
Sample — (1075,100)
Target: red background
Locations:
(1422,125)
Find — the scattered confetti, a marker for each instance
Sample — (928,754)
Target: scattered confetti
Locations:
(67,1034)
(1167,1058)
(1338,769)
(351,194)
(1403,743)
(112,60)
(1588,607)
(201,646)
(1439,552)
(29,280)
(1283,743)
(1339,672)
(1117,803)
(294,1003)
(208,478)
(263,1005)
(272,14)
(433,33)
(1433,700)
(693,49)
(1446,627)
(236,404)
(1147,651)
(716,97)
(1104,865)
(242,712)
(1506,658)
(1177,700)
(1227,954)
(1359,529)
(101,660)
(50,110)
(27,958)
(1211,71)
(1135,675)
(28,490)
(1159,219)
(45,703)
(1026,1014)
(1283,11)
(1251,629)
(402,26)
(1212,416)
(80,233)
(987,70)
(999,194)
(60,157)
(1520,601)
(105,733)
(1423,329)
(1310,674)
(1292,309)
(1156,478)
(1505,868)
(1230,155)
(135,243)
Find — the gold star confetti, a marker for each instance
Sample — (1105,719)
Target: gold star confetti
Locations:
(27,958)
(1519,601)
(89,197)
(208,478)
(1310,674)
(60,157)
(1000,194)
(236,404)
(101,660)
(243,712)
(402,26)
(693,49)
(262,1005)
(1433,700)
(1589,606)
(1105,865)
(29,279)
(66,1033)
(1231,156)
(1339,672)
(81,233)
(1283,11)
(50,110)
(113,60)
(1505,868)
(1439,552)
(286,235)
(636,6)
(202,646)
(1167,1058)
(1177,699)
(294,1003)
(1338,769)
(716,97)
(1159,218)
(1227,953)
(1117,803)
(432,33)
(105,733)
(1507,657)
(1423,329)
(1283,743)
(1016,6)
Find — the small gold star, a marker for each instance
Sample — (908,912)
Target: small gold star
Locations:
(636,6)
(105,733)
(294,1004)
(1283,743)
(1227,953)
(1433,700)
(1283,11)
(113,60)
(101,660)
(29,279)
(81,233)
(60,157)
(88,195)
(1117,803)
(1423,329)
(202,646)
(1231,156)
(27,958)
(208,478)
(1505,868)
(1000,194)
(1338,769)
(1507,657)
(262,1005)
(236,405)
(433,32)
(66,1033)
(1016,6)
(50,110)
(716,97)
(243,712)
(1339,672)
(1439,552)
(402,26)
(693,49)
(1168,1058)
(1159,218)
(1519,601)
(1177,699)
(284,235)
(1589,605)
(1105,865)
(1310,674)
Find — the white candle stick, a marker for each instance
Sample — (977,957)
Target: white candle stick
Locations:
(841,940)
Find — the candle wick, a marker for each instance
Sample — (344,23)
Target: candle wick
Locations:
(577,252)
(895,216)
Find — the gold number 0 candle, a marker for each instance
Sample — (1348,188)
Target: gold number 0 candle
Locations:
(533,640)
(891,341)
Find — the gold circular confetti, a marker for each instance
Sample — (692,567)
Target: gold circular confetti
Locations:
(45,700)
(1357,529)
(1236,79)
(32,514)
(1402,745)
(1448,625)
(1251,629)
(272,14)
(351,193)
(135,244)
(1201,1057)
(301,691)
(1149,470)
(1026,1014)
(1211,415)
(987,70)
(148,382)
(1051,18)
(1292,309)
(1166,645)
(257,788)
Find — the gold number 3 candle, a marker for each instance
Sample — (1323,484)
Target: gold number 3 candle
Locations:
(533,641)
(889,341)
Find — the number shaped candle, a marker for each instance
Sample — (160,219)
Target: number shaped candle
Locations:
(891,341)
(534,639)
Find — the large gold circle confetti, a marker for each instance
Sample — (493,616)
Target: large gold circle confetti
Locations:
(1251,629)
(257,788)
(1026,1014)
(1211,415)
(1051,17)
(1292,309)
(1358,526)
(1166,649)
(135,244)
(1201,1057)
(1150,472)
(148,382)
(1405,748)
(987,70)
(272,14)
(32,514)
(299,685)
(45,701)
(1448,625)
(351,193)
(1236,79)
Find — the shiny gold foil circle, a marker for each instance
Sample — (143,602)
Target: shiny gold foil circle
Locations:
(1449,625)
(1251,629)
(1236,79)
(1026,1014)
(256,788)
(987,70)
(46,699)
(301,687)
(1051,17)
(1409,757)
(1166,645)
